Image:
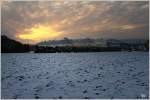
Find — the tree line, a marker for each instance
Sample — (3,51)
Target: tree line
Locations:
(12,46)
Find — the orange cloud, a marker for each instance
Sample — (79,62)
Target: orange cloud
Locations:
(38,33)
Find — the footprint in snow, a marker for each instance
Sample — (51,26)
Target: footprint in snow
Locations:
(85,91)
(71,84)
(60,97)
(99,86)
(96,93)
(85,80)
(36,96)
(86,98)
(101,68)
(20,78)
(49,84)
(99,75)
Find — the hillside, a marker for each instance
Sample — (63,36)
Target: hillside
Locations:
(11,46)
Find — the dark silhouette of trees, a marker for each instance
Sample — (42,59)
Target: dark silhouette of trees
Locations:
(9,45)
(12,46)
(40,49)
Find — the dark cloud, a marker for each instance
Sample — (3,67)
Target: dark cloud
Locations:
(78,19)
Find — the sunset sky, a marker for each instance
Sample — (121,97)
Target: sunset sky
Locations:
(35,21)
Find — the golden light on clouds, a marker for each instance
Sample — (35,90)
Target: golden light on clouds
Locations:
(130,27)
(38,33)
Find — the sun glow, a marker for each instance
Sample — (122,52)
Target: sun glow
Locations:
(39,33)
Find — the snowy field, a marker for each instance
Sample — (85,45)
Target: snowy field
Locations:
(75,75)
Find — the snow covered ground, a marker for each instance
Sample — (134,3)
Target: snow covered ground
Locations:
(75,75)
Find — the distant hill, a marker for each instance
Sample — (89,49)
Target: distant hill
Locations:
(89,42)
(11,46)
(74,42)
